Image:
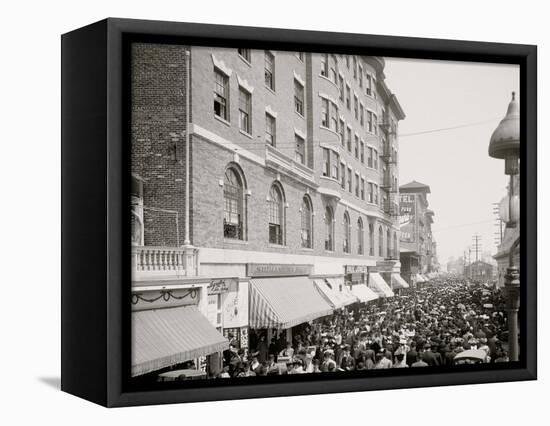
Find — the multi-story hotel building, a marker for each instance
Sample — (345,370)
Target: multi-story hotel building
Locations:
(258,174)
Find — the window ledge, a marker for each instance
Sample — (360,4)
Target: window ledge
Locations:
(222,120)
(299,115)
(279,246)
(234,241)
(330,81)
(246,61)
(242,132)
(269,89)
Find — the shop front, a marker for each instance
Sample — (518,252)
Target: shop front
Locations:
(356,279)
(282,297)
(170,331)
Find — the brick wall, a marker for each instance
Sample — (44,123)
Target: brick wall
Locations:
(158,141)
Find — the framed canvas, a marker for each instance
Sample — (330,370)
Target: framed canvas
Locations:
(254,212)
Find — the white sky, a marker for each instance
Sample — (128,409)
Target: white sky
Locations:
(464,180)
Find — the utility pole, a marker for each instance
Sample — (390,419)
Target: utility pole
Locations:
(499,234)
(477,245)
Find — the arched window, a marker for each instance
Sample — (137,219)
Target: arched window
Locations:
(347,233)
(395,248)
(380,241)
(388,244)
(329,229)
(360,237)
(234,204)
(371,239)
(276,215)
(307,223)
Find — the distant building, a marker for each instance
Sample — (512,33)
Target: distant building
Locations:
(479,271)
(417,246)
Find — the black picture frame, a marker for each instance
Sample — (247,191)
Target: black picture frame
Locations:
(95,184)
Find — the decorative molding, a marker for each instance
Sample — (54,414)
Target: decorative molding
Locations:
(245,84)
(270,111)
(218,63)
(300,133)
(299,79)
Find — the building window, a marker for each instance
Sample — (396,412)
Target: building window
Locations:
(355,67)
(326,162)
(360,236)
(348,96)
(375,163)
(370,198)
(356,146)
(349,139)
(307,223)
(357,185)
(335,160)
(221,95)
(369,121)
(347,61)
(233,195)
(300,56)
(363,189)
(342,130)
(350,179)
(324,112)
(347,233)
(245,110)
(329,229)
(341,87)
(380,242)
(375,123)
(388,244)
(376,194)
(362,152)
(270,129)
(343,175)
(245,54)
(298,97)
(333,72)
(269,70)
(371,239)
(369,85)
(360,76)
(362,115)
(356,107)
(370,157)
(334,117)
(276,215)
(324,65)
(300,149)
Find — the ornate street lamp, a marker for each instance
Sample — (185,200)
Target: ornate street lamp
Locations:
(505,144)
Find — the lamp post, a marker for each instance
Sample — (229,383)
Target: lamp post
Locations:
(505,144)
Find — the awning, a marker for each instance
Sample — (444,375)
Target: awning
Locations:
(420,279)
(426,279)
(363,293)
(284,302)
(165,337)
(398,282)
(335,291)
(379,286)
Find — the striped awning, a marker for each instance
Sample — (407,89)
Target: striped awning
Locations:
(363,293)
(426,279)
(169,336)
(420,278)
(284,302)
(335,291)
(398,282)
(380,286)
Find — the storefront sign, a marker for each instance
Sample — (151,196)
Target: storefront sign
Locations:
(222,285)
(277,270)
(350,269)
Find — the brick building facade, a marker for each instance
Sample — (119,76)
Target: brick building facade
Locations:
(293,160)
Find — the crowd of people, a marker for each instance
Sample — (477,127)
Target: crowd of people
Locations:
(425,327)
